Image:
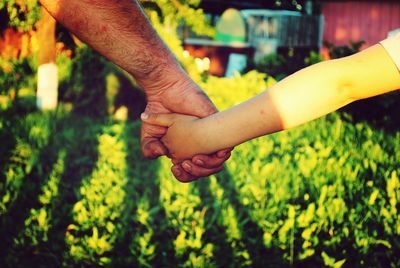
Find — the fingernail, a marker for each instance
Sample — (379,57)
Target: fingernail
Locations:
(187,167)
(177,172)
(144,116)
(199,162)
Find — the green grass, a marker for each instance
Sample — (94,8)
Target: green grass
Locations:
(76,191)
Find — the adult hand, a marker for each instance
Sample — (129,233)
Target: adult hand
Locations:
(121,32)
(185,97)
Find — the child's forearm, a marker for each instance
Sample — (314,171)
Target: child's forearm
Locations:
(302,97)
(250,119)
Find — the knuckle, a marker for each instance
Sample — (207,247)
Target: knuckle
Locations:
(148,154)
(154,117)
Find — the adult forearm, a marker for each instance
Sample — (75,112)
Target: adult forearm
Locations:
(120,31)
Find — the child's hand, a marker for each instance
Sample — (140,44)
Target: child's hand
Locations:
(182,138)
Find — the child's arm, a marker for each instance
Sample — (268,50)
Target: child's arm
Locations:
(301,97)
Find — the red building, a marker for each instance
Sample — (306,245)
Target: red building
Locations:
(368,20)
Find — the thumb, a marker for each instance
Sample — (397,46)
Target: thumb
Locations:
(165,120)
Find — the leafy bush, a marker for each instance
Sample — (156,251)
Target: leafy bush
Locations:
(287,61)
(21,14)
(273,64)
(336,52)
(14,74)
(76,191)
(313,58)
(86,87)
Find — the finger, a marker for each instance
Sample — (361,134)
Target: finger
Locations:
(197,171)
(181,175)
(210,161)
(153,131)
(151,146)
(176,161)
(165,120)
(224,153)
(196,102)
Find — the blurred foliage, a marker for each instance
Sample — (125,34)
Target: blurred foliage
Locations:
(286,62)
(180,12)
(336,52)
(294,5)
(76,191)
(171,38)
(13,74)
(21,15)
(273,64)
(86,87)
(313,58)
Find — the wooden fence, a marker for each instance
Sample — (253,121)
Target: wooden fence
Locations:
(270,29)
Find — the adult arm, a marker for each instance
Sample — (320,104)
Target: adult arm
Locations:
(301,97)
(120,31)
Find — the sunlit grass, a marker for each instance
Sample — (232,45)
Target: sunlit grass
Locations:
(40,219)
(77,191)
(97,214)
(24,139)
(185,212)
(230,223)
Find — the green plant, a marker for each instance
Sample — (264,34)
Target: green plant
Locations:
(313,58)
(86,87)
(75,190)
(78,191)
(336,52)
(21,14)
(14,74)
(180,12)
(274,65)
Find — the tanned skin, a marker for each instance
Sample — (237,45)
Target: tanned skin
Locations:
(119,30)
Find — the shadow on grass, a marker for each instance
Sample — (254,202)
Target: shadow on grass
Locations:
(77,135)
(381,112)
(251,233)
(215,233)
(12,222)
(70,134)
(8,140)
(129,95)
(80,161)
(12,126)
(142,187)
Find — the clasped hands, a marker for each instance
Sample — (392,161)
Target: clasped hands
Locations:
(185,102)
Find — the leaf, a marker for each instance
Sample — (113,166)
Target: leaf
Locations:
(339,264)
(328,261)
(373,197)
(42,218)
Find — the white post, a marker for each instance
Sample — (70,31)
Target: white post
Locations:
(47,90)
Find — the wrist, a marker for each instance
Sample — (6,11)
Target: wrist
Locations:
(162,78)
(204,136)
